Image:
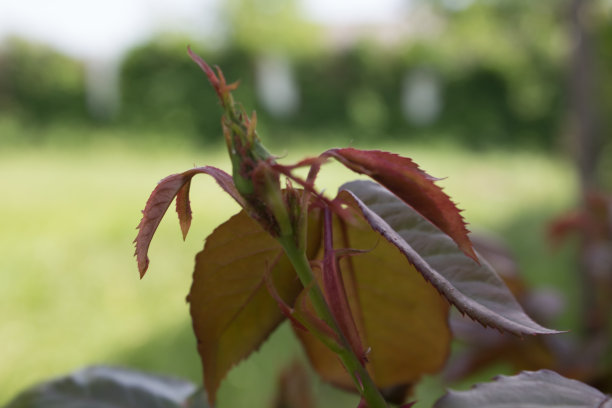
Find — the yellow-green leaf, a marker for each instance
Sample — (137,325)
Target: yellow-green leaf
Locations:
(231,309)
(401,319)
(474,288)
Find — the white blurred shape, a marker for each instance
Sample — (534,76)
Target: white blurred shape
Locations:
(102,84)
(353,11)
(421,97)
(275,85)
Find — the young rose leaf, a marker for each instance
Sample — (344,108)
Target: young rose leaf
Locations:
(231,309)
(217,80)
(475,289)
(175,185)
(529,389)
(401,320)
(416,188)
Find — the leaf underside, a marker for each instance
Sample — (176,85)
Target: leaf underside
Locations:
(475,289)
(415,187)
(231,309)
(175,185)
(400,318)
(529,389)
(109,387)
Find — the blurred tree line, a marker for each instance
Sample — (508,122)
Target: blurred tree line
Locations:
(40,85)
(488,73)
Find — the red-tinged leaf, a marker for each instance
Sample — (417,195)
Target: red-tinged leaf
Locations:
(475,289)
(175,185)
(593,222)
(400,318)
(416,188)
(231,309)
(529,389)
(216,80)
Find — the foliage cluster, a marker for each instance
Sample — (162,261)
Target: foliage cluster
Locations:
(359,259)
(528,188)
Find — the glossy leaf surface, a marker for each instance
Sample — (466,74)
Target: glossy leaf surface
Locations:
(539,389)
(475,289)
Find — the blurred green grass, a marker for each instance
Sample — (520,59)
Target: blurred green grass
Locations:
(69,289)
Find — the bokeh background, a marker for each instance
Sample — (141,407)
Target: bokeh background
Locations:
(507,99)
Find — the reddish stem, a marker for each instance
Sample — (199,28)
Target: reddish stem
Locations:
(335,292)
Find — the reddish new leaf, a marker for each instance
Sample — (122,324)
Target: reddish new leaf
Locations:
(475,289)
(175,185)
(416,188)
(216,80)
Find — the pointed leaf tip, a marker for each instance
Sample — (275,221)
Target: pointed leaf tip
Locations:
(204,66)
(175,185)
(212,77)
(415,187)
(475,289)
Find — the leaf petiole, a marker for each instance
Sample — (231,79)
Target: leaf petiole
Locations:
(360,376)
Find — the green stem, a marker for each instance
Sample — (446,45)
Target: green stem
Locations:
(357,371)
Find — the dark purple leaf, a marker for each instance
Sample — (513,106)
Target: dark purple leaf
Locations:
(475,289)
(529,389)
(110,387)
